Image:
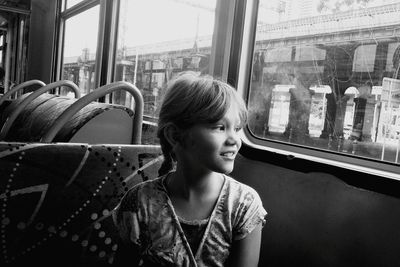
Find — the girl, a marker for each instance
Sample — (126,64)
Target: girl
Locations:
(194,214)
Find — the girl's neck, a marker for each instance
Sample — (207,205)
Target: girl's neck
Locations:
(187,184)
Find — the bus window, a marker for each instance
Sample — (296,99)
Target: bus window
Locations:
(79,49)
(325,75)
(155,45)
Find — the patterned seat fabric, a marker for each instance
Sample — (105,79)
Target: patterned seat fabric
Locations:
(56,200)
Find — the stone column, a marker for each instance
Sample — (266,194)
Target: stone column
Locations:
(339,116)
(358,119)
(330,113)
(299,115)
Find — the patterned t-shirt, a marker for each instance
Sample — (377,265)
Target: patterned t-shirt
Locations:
(146,218)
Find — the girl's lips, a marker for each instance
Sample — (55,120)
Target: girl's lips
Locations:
(229,154)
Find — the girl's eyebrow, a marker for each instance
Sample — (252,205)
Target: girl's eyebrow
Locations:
(216,122)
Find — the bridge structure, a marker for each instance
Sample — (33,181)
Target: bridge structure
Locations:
(349,52)
(369,24)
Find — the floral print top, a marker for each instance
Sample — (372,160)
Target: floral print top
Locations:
(146,217)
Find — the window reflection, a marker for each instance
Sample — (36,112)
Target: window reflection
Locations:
(326,75)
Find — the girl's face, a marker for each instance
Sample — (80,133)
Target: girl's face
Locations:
(212,146)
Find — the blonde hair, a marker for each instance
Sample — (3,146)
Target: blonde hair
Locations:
(192,99)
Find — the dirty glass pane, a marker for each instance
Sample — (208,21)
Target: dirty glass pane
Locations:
(326,75)
(155,45)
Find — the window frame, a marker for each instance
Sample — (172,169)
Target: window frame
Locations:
(106,37)
(243,82)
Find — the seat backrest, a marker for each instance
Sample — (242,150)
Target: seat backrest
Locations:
(57,200)
(95,123)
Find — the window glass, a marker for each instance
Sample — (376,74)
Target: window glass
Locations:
(155,45)
(326,75)
(79,48)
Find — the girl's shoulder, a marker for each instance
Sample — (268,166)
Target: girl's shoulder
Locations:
(233,186)
(245,206)
(240,194)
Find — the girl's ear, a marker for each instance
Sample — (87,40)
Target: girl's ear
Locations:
(172,134)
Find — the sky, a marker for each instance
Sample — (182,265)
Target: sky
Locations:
(164,20)
(81,32)
(143,22)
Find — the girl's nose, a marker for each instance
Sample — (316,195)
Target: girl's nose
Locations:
(232,137)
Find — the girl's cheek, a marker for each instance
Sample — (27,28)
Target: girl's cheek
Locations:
(188,141)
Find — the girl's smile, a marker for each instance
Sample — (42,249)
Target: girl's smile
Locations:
(212,146)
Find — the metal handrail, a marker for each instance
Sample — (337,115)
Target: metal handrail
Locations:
(18,87)
(10,120)
(94,95)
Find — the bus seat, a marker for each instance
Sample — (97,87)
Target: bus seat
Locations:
(3,107)
(17,88)
(5,100)
(57,200)
(70,120)
(102,128)
(94,123)
(15,109)
(8,106)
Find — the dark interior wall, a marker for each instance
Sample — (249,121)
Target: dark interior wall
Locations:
(41,40)
(317,218)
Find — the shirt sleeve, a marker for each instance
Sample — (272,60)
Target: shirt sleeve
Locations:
(250,214)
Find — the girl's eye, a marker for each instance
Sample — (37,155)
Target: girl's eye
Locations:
(237,129)
(219,127)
